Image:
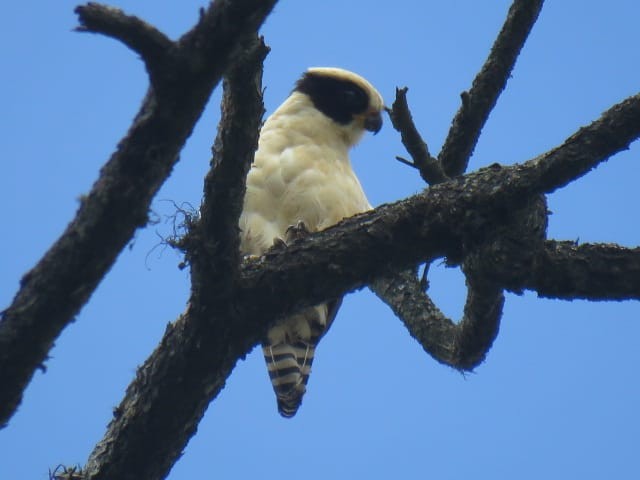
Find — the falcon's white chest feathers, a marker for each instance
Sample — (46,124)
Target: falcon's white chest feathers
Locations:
(302,173)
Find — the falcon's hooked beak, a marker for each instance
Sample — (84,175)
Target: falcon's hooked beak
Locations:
(373,121)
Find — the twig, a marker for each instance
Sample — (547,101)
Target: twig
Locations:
(145,39)
(402,120)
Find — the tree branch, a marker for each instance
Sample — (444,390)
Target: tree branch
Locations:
(53,292)
(584,150)
(463,345)
(402,120)
(139,36)
(568,271)
(361,249)
(172,390)
(212,244)
(478,102)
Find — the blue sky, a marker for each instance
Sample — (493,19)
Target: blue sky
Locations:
(558,394)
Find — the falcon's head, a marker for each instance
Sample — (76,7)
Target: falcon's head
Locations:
(346,98)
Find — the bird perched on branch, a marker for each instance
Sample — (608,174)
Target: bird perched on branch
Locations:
(301,176)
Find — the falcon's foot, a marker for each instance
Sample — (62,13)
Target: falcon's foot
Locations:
(296,232)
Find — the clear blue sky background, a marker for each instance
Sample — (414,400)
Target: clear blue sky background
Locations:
(558,395)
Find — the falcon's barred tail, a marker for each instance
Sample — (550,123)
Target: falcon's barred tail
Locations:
(289,349)
(289,366)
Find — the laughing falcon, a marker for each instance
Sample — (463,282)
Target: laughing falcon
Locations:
(301,173)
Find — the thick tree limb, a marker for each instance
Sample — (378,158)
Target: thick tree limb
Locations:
(162,408)
(212,244)
(438,223)
(478,102)
(568,271)
(53,292)
(588,147)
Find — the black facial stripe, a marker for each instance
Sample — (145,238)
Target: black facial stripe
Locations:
(337,99)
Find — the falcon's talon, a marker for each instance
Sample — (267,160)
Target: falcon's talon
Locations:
(279,244)
(296,232)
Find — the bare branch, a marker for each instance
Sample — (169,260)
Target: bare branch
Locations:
(566,270)
(212,245)
(463,345)
(478,102)
(480,321)
(613,132)
(139,36)
(402,120)
(53,292)
(220,31)
(172,390)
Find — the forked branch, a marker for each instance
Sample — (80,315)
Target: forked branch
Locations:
(171,391)
(402,120)
(52,293)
